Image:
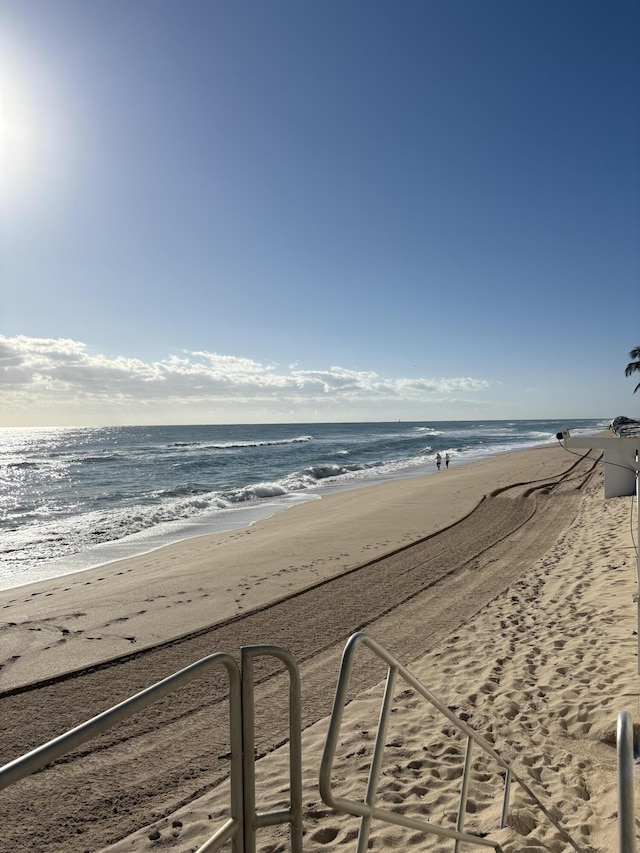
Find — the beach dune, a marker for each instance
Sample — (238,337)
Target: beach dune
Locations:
(506,585)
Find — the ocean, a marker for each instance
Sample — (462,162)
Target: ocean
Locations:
(74,498)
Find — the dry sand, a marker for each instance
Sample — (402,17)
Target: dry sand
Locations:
(519,617)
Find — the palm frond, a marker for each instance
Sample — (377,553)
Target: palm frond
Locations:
(633,366)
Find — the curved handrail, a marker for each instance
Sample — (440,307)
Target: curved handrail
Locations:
(368,810)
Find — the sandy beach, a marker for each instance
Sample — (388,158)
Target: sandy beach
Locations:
(506,586)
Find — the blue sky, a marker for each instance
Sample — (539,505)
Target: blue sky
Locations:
(230,211)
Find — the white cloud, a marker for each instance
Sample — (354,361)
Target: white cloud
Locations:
(47,375)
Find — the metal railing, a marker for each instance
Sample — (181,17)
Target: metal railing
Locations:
(240,827)
(368,810)
(626,804)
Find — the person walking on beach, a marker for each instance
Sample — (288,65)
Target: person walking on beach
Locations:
(438,460)
(446,460)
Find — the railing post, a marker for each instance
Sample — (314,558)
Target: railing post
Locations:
(292,815)
(376,761)
(464,793)
(248,753)
(626,806)
(505,799)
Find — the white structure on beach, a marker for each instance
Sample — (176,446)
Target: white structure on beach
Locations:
(620,455)
(621,472)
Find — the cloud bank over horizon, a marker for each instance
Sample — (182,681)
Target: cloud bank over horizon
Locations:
(58,381)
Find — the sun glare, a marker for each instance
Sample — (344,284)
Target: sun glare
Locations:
(18,131)
(34,124)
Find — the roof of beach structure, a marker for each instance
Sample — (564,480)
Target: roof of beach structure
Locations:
(625,427)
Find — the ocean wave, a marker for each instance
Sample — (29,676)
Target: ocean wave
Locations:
(241,445)
(22,465)
(183,490)
(274,442)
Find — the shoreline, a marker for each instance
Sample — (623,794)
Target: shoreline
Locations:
(96,614)
(236,517)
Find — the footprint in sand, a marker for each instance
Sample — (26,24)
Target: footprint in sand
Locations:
(325,835)
(9,661)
